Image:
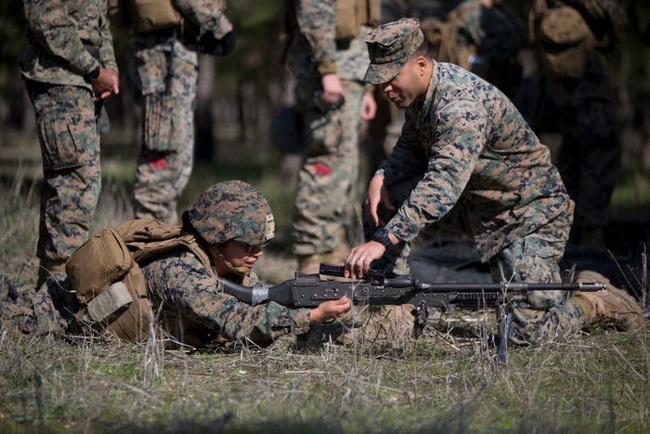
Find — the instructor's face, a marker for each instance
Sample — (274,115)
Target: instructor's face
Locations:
(409,84)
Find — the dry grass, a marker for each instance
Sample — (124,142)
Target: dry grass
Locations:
(592,384)
(447,381)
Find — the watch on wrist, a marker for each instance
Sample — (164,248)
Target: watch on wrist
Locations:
(381,236)
(92,74)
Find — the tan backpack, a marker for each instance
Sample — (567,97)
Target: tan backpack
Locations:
(144,16)
(108,281)
(442,36)
(352,14)
(563,36)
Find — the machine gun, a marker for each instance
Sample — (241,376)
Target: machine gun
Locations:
(376,288)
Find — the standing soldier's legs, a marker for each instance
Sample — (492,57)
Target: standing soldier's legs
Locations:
(327,182)
(67,131)
(383,131)
(160,180)
(166,158)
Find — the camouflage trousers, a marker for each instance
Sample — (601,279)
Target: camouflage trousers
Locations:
(66,122)
(327,183)
(166,76)
(589,158)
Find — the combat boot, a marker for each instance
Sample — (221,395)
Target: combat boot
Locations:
(607,307)
(46,268)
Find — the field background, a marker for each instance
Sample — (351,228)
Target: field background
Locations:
(447,381)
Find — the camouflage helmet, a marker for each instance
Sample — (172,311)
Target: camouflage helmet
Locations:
(232,210)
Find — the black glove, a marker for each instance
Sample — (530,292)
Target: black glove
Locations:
(218,47)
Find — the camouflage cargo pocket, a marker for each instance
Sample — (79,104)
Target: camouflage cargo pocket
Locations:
(159,129)
(327,133)
(58,145)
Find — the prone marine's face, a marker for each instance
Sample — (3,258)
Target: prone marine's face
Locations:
(241,255)
(235,256)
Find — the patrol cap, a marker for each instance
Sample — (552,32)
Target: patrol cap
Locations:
(390,46)
(232,210)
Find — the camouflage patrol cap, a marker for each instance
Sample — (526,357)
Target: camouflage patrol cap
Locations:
(232,210)
(390,46)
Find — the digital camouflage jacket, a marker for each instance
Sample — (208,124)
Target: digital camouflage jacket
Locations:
(477,154)
(66,39)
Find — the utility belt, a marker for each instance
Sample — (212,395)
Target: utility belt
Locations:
(157,37)
(161,34)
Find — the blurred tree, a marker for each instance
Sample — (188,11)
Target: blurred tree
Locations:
(14,106)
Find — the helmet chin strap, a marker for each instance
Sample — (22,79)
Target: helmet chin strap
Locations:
(242,271)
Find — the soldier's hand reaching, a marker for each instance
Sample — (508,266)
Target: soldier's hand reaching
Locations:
(330,309)
(360,257)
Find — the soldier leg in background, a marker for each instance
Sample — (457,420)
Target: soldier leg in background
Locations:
(327,183)
(383,131)
(166,158)
(66,121)
(590,156)
(381,325)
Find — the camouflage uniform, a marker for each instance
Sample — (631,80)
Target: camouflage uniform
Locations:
(163,67)
(195,308)
(326,188)
(67,40)
(180,283)
(467,159)
(590,154)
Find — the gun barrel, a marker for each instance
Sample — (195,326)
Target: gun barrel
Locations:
(506,287)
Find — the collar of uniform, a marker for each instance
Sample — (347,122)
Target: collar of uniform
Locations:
(427,104)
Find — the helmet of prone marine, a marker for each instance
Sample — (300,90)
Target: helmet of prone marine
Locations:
(232,210)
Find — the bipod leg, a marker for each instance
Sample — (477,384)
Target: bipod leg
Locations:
(421,316)
(504,323)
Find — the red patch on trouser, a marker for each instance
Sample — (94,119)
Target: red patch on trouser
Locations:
(161,164)
(323,170)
